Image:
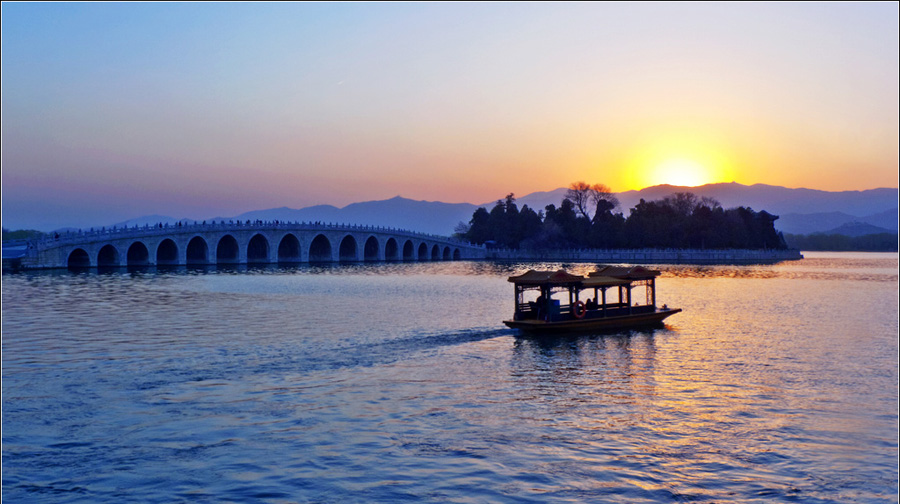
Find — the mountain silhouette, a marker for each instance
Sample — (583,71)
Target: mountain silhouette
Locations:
(801,211)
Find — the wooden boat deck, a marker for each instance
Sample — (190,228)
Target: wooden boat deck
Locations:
(593,324)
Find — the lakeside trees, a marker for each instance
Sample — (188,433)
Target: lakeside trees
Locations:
(21,234)
(587,218)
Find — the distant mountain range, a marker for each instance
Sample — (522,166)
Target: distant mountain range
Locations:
(423,216)
(801,211)
(838,223)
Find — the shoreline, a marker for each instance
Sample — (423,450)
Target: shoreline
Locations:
(649,256)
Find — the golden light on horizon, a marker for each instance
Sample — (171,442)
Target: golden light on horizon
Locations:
(683,160)
(680,172)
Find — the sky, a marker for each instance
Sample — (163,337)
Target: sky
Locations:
(197,110)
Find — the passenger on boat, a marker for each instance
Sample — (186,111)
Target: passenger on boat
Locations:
(541,305)
(590,304)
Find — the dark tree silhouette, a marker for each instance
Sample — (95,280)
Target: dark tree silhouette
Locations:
(585,197)
(681,220)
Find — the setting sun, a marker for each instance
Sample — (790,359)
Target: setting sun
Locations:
(686,158)
(680,172)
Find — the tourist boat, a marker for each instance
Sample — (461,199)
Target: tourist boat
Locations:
(612,306)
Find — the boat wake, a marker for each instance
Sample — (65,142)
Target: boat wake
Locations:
(386,352)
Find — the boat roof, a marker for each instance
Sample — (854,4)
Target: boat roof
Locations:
(559,277)
(625,272)
(604,281)
(604,276)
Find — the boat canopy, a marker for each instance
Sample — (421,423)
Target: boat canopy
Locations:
(632,273)
(603,281)
(604,276)
(534,278)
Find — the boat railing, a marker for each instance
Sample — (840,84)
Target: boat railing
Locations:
(530,310)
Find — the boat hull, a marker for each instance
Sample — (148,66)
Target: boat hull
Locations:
(594,324)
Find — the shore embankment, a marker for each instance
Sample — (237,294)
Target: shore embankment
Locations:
(649,256)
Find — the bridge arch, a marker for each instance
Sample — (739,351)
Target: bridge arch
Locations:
(242,243)
(391,250)
(108,257)
(320,249)
(409,251)
(227,251)
(78,258)
(258,249)
(166,252)
(197,251)
(348,250)
(370,249)
(137,255)
(289,249)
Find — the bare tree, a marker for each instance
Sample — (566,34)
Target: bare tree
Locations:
(602,192)
(586,197)
(579,194)
(684,203)
(710,202)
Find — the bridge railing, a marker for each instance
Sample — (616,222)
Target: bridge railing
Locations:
(114,232)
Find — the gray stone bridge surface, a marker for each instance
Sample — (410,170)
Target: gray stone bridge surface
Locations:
(241,243)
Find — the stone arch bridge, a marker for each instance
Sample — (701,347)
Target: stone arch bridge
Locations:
(234,243)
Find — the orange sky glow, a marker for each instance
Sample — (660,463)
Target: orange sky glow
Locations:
(198,110)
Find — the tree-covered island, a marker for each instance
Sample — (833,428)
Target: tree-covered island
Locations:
(590,217)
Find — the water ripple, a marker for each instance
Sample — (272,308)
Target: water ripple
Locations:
(397,383)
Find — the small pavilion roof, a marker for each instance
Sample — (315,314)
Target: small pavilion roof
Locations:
(532,277)
(625,272)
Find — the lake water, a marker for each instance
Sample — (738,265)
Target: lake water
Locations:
(399,383)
